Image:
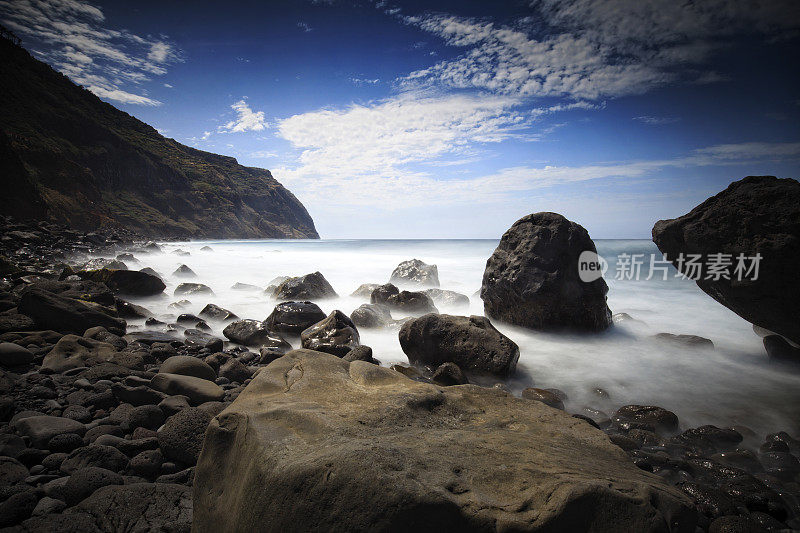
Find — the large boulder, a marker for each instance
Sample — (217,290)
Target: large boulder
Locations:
(532,279)
(315,443)
(254,333)
(67,315)
(371,316)
(40,429)
(312,286)
(445,298)
(86,290)
(336,335)
(472,343)
(126,281)
(415,272)
(293,317)
(72,351)
(757,215)
(186,365)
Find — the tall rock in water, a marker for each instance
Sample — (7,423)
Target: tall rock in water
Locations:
(756,215)
(67,155)
(532,278)
(315,443)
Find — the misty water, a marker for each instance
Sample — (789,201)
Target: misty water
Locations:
(733,384)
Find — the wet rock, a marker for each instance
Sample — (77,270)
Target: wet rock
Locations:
(151,337)
(254,333)
(192,289)
(735,524)
(13,355)
(365,290)
(131,282)
(215,312)
(415,272)
(83,482)
(336,334)
(40,429)
(685,341)
(293,317)
(101,334)
(360,353)
(181,437)
(532,278)
(383,451)
(382,293)
(710,501)
(51,311)
(759,214)
(649,417)
(779,349)
(449,374)
(371,316)
(444,298)
(411,303)
(184,271)
(783,465)
(196,389)
(186,365)
(200,339)
(470,342)
(543,395)
(312,286)
(710,439)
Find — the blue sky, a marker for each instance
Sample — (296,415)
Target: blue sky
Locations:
(453,119)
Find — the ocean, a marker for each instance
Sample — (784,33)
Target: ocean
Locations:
(733,384)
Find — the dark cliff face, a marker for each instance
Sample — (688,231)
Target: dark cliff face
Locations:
(68,156)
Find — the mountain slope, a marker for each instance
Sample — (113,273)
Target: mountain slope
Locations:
(68,156)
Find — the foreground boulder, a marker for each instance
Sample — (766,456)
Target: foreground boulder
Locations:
(312,286)
(52,311)
(757,215)
(336,335)
(415,272)
(126,281)
(532,278)
(315,443)
(472,343)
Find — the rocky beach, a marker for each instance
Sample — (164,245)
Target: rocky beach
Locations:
(115,417)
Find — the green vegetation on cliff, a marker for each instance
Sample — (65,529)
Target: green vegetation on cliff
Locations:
(66,155)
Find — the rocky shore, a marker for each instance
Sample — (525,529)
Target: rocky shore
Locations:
(167,427)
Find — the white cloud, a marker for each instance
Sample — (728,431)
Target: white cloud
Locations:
(656,121)
(365,81)
(305,27)
(206,135)
(83,47)
(247,119)
(752,150)
(264,154)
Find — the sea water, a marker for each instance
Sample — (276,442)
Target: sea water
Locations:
(732,384)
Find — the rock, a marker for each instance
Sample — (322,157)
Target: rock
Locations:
(470,342)
(293,317)
(779,349)
(181,437)
(415,272)
(532,278)
(65,443)
(686,341)
(40,429)
(151,337)
(756,215)
(76,352)
(215,312)
(709,438)
(234,370)
(198,390)
(446,298)
(172,404)
(365,290)
(13,355)
(655,418)
(83,482)
(360,353)
(200,339)
(133,282)
(139,395)
(187,318)
(143,416)
(95,455)
(545,396)
(11,471)
(191,289)
(103,335)
(382,293)
(254,333)
(268,355)
(48,505)
(371,316)
(411,303)
(17,507)
(184,271)
(51,311)
(147,463)
(336,335)
(86,290)
(449,374)
(244,287)
(337,441)
(735,524)
(312,286)
(11,320)
(186,365)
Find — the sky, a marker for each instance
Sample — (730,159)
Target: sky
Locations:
(453,119)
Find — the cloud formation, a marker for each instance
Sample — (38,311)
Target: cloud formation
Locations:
(246,120)
(111,63)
